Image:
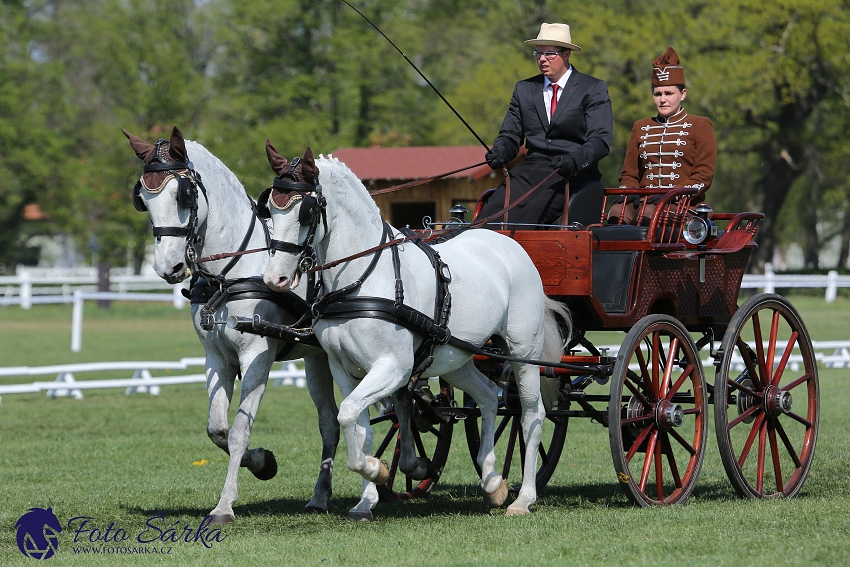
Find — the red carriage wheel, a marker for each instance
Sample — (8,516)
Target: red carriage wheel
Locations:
(510,446)
(433,444)
(658,412)
(767,423)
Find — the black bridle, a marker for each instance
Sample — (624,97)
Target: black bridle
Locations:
(187,197)
(313,209)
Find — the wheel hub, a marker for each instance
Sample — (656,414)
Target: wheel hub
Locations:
(668,415)
(777,401)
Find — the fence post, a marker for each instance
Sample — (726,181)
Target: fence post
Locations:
(179,298)
(831,286)
(26,290)
(77,322)
(769,278)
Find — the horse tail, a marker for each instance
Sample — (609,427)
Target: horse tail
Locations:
(553,340)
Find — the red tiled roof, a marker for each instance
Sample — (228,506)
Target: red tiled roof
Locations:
(410,163)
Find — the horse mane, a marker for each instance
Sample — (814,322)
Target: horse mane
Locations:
(333,172)
(209,166)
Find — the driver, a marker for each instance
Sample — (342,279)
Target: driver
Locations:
(564,119)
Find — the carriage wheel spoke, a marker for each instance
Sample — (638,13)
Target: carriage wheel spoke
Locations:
(671,459)
(804,378)
(761,453)
(790,448)
(692,411)
(799,418)
(771,348)
(774,452)
(638,441)
(501,428)
(647,462)
(742,417)
(644,370)
(762,374)
(654,378)
(685,375)
(395,459)
(745,352)
(659,472)
(637,393)
(668,369)
(682,442)
(417,439)
(391,434)
(745,451)
(521,452)
(639,419)
(786,354)
(509,452)
(743,388)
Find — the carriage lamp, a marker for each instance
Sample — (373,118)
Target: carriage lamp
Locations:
(458,211)
(699,229)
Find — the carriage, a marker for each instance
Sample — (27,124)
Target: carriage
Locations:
(672,286)
(664,284)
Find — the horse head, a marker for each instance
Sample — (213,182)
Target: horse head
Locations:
(296,206)
(169,191)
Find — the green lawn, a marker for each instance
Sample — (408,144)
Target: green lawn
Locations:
(124,459)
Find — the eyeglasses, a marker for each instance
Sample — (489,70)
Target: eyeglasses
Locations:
(549,55)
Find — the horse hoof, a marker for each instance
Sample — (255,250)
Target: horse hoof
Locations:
(269,469)
(498,498)
(383,474)
(357,516)
(518,511)
(313,509)
(221,519)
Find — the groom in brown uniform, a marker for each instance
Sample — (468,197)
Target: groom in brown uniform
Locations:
(564,119)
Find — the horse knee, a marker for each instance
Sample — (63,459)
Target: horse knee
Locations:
(218,436)
(348,415)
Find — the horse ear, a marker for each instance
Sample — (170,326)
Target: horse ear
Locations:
(143,149)
(177,145)
(309,171)
(278,162)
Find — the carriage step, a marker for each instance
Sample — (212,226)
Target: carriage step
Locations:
(455,414)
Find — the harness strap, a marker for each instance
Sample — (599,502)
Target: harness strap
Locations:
(419,323)
(338,294)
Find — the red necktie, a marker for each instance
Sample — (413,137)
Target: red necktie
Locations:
(554,104)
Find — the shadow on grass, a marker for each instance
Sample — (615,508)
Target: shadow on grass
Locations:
(455,499)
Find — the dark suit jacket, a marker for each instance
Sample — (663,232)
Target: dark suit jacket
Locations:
(582,125)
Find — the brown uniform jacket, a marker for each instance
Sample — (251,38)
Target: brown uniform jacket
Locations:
(678,152)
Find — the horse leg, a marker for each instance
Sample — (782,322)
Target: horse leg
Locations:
(533,414)
(320,386)
(369,494)
(254,378)
(220,379)
(473,382)
(408,463)
(384,377)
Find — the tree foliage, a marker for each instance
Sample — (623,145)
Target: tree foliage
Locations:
(774,77)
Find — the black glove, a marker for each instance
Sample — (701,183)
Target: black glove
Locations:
(565,164)
(496,158)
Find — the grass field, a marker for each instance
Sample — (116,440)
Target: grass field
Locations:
(122,460)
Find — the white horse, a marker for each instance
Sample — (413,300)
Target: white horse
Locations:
(221,214)
(496,293)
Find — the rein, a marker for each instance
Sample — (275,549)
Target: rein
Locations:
(422,181)
(442,235)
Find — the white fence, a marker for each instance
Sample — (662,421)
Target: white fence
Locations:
(76,286)
(142,381)
(769,281)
